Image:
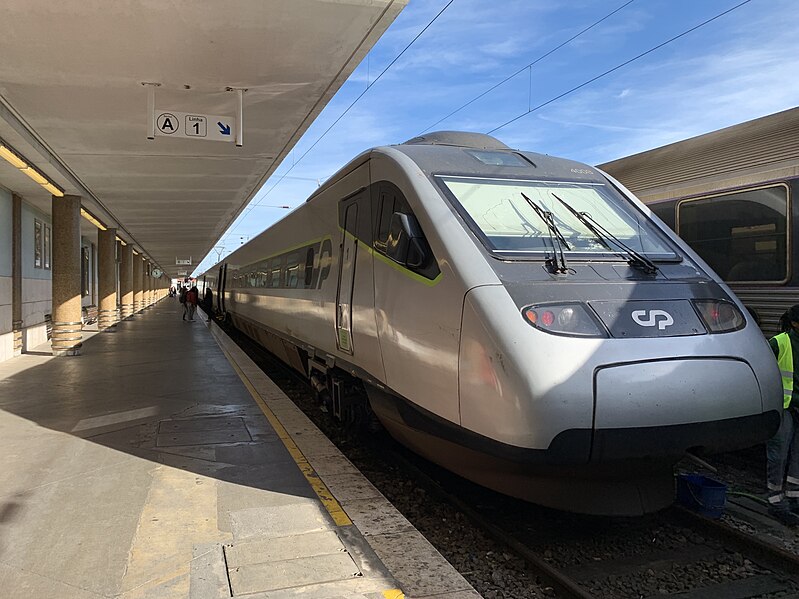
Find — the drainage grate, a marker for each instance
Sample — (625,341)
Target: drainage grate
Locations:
(275,563)
(209,430)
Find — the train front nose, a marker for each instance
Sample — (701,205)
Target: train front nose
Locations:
(663,408)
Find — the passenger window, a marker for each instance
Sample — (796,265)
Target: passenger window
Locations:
(664,211)
(742,235)
(292,270)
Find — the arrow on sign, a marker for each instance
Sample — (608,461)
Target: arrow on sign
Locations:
(223,129)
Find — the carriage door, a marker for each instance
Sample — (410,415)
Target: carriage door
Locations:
(223,286)
(346,275)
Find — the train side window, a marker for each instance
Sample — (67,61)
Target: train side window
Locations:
(292,270)
(387,202)
(664,211)
(391,201)
(743,235)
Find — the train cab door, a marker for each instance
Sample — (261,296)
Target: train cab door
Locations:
(222,287)
(348,209)
(219,291)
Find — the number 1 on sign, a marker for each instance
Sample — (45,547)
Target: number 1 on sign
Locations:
(196,125)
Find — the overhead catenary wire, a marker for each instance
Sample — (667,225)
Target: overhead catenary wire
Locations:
(619,66)
(530,65)
(343,114)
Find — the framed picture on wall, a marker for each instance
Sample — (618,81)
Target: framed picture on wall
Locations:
(84,270)
(38,243)
(46,253)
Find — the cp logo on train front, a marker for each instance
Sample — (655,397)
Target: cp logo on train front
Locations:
(661,318)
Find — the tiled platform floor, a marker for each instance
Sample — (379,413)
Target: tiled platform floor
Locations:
(145,468)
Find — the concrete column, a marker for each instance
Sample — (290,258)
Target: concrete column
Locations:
(67,324)
(16,272)
(107,315)
(138,282)
(149,284)
(118,248)
(126,281)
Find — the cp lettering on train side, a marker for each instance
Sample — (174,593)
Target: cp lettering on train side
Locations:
(325,262)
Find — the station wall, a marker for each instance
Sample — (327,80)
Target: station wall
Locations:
(6,230)
(36,275)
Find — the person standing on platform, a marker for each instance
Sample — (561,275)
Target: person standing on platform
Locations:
(182,300)
(782,450)
(192,297)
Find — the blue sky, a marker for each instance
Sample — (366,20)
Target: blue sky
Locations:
(739,67)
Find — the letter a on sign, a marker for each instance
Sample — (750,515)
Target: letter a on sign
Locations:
(167,123)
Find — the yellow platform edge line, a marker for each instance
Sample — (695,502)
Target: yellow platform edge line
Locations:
(332,506)
(393,594)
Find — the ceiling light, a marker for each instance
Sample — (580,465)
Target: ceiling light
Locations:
(20,162)
(120,240)
(35,175)
(15,160)
(54,190)
(91,218)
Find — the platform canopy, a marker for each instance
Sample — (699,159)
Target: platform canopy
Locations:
(72,101)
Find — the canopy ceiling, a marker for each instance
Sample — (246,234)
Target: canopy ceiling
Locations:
(72,101)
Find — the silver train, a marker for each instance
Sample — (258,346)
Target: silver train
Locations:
(519,319)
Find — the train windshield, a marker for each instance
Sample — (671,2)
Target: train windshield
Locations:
(508,222)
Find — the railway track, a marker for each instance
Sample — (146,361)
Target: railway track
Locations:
(672,554)
(761,569)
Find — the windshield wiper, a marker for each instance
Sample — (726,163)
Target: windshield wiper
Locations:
(633,258)
(557,263)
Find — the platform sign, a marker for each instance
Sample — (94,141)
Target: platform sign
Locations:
(171,123)
(183,273)
(182,261)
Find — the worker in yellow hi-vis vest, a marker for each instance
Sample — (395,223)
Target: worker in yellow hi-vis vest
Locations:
(782,450)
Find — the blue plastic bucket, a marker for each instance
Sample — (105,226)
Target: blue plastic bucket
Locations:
(701,494)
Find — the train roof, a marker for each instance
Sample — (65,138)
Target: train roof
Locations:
(759,150)
(480,155)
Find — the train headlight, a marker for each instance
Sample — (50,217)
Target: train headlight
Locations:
(564,319)
(720,316)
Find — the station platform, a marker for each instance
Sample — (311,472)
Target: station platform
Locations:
(163,463)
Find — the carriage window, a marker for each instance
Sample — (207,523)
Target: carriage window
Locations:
(292,270)
(742,235)
(665,211)
(275,267)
